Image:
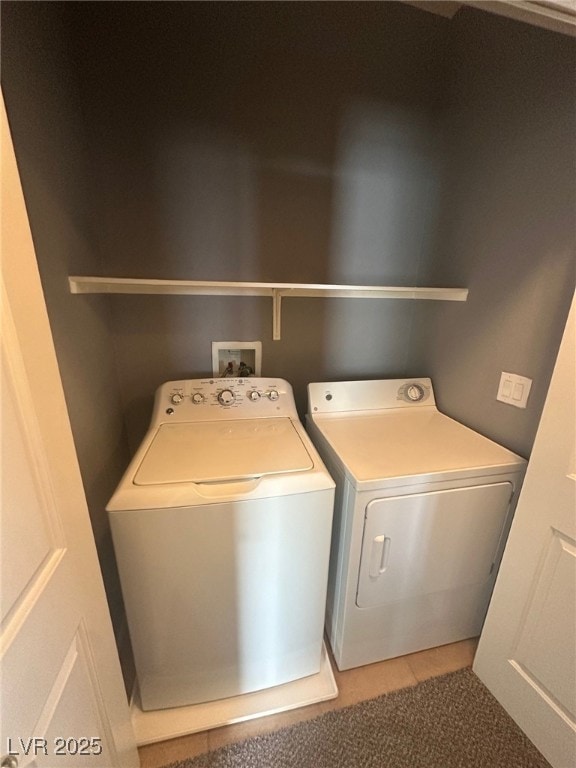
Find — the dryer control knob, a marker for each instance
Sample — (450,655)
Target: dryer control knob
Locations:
(254,395)
(415,393)
(226,397)
(272,394)
(197,398)
(176,398)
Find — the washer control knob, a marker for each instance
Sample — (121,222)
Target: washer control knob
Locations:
(197,398)
(226,397)
(272,394)
(176,398)
(254,395)
(415,393)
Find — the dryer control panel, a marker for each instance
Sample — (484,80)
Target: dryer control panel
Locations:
(213,399)
(344,396)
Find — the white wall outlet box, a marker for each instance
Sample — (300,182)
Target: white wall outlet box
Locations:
(514,389)
(236,358)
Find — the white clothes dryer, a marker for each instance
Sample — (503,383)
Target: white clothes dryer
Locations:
(423,508)
(221,528)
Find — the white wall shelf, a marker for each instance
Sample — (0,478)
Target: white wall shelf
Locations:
(277,291)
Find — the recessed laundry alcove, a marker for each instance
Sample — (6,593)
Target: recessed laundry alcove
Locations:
(327,146)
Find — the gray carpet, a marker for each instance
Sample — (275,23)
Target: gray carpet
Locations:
(451,721)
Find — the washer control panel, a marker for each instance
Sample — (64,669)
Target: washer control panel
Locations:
(215,399)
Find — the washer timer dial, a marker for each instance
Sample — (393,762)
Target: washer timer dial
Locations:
(226,397)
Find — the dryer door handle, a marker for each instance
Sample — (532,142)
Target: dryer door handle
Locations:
(379,555)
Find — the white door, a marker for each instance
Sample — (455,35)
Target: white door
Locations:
(62,697)
(527,650)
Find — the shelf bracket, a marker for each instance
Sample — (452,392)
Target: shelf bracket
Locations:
(276,314)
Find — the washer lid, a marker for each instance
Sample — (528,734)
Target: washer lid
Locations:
(410,441)
(218,451)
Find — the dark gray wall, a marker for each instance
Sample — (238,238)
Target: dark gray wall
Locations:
(508,226)
(297,142)
(41,95)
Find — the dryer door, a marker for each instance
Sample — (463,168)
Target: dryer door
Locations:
(422,543)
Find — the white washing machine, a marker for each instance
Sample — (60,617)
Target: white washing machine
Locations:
(423,507)
(221,527)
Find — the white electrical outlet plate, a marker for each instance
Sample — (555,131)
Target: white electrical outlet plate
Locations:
(236,358)
(514,389)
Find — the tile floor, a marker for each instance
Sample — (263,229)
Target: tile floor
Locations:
(354,685)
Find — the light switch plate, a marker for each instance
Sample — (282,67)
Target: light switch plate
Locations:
(514,389)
